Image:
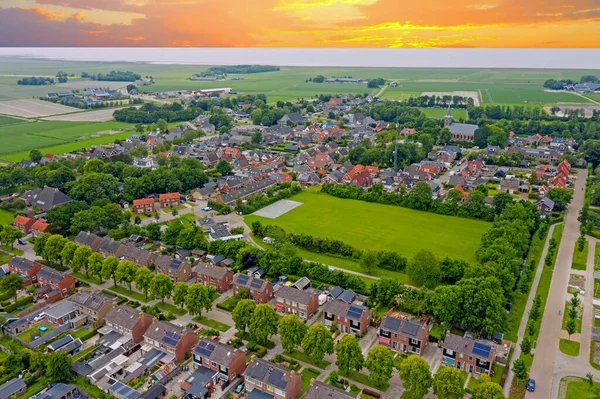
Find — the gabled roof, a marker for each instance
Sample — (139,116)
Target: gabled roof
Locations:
(471,347)
(251,283)
(21,263)
(222,354)
(90,300)
(51,275)
(206,269)
(11,387)
(270,373)
(294,294)
(320,390)
(123,316)
(45,198)
(405,327)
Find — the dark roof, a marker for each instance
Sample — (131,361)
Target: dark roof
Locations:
(88,239)
(163,331)
(294,294)
(51,275)
(138,254)
(258,394)
(109,245)
(250,282)
(59,343)
(344,309)
(336,292)
(90,300)
(463,128)
(45,198)
(214,350)
(250,189)
(347,296)
(468,346)
(123,316)
(21,263)
(268,372)
(405,327)
(206,269)
(320,390)
(154,392)
(218,259)
(199,380)
(11,387)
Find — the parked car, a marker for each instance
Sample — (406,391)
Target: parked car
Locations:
(207,208)
(239,388)
(531,385)
(39,317)
(22,242)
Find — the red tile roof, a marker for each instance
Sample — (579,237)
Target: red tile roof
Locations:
(22,220)
(40,225)
(169,196)
(143,201)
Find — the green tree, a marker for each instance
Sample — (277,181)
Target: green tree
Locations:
(419,197)
(242,314)
(58,367)
(571,327)
(125,273)
(424,269)
(80,259)
(520,369)
(257,138)
(199,297)
(190,237)
(35,155)
(446,304)
(525,345)
(561,197)
(10,234)
(291,331)
(415,374)
(161,286)
(54,246)
(143,277)
(317,342)
(11,283)
(68,251)
(109,266)
(95,262)
(448,383)
(94,165)
(380,363)
(369,261)
(263,324)
(179,293)
(488,390)
(39,245)
(349,354)
(223,167)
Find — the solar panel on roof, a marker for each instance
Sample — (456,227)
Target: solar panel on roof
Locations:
(169,341)
(410,328)
(256,284)
(354,311)
(243,279)
(481,349)
(175,263)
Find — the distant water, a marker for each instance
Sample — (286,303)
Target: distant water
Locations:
(399,58)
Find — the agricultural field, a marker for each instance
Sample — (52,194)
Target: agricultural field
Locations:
(33,108)
(100,115)
(371,226)
(56,136)
(7,120)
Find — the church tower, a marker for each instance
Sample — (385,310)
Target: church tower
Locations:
(447,118)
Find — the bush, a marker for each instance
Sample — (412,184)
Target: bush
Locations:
(19,302)
(261,351)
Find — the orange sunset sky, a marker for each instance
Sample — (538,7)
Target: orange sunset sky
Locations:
(300,23)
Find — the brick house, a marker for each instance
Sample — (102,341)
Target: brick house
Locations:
(176,269)
(144,205)
(467,354)
(169,199)
(13,388)
(272,379)
(261,291)
(302,303)
(226,361)
(110,247)
(23,223)
(199,385)
(56,280)
(25,268)
(60,314)
(39,227)
(170,338)
(96,306)
(545,206)
(350,318)
(403,335)
(90,240)
(219,277)
(126,320)
(321,390)
(141,257)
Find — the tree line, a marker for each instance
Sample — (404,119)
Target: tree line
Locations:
(243,69)
(36,81)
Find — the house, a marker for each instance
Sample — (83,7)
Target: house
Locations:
(144,205)
(90,240)
(96,306)
(226,361)
(13,387)
(295,118)
(321,390)
(291,300)
(56,280)
(39,227)
(126,320)
(169,200)
(407,131)
(467,354)
(176,269)
(45,199)
(169,338)
(261,291)
(510,186)
(545,206)
(403,335)
(110,247)
(219,277)
(460,131)
(349,317)
(272,379)
(16,326)
(25,268)
(23,223)
(47,294)
(61,313)
(141,257)
(199,385)
(61,391)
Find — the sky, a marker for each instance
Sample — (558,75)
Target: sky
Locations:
(301,23)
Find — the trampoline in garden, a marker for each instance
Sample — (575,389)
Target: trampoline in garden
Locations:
(43,328)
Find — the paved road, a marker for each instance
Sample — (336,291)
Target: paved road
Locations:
(525,318)
(542,369)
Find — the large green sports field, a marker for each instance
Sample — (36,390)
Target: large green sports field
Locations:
(370,226)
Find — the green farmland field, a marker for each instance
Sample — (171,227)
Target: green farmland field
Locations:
(371,226)
(7,120)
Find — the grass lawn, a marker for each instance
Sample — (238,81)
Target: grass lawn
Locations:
(566,318)
(4,258)
(301,356)
(13,250)
(579,388)
(570,348)
(580,257)
(307,375)
(597,257)
(381,227)
(217,325)
(498,370)
(84,352)
(6,217)
(26,335)
(138,296)
(229,303)
(80,333)
(167,307)
(90,279)
(513,319)
(436,331)
(473,383)
(35,387)
(592,348)
(363,379)
(457,113)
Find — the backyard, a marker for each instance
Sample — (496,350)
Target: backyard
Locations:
(34,331)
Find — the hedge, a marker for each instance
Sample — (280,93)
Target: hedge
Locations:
(20,302)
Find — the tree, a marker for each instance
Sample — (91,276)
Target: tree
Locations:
(68,251)
(94,165)
(520,369)
(10,234)
(11,283)
(419,196)
(143,277)
(109,266)
(349,354)
(424,269)
(95,186)
(162,125)
(369,261)
(317,342)
(95,262)
(35,156)
(561,197)
(80,259)
(190,237)
(488,390)
(291,331)
(223,167)
(242,314)
(58,367)
(126,272)
(53,247)
(263,324)
(199,297)
(39,245)
(161,286)
(179,293)
(447,304)
(448,383)
(571,327)
(415,374)
(380,362)
(257,138)
(525,345)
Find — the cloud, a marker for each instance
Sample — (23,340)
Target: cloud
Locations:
(46,13)
(135,38)
(94,32)
(109,5)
